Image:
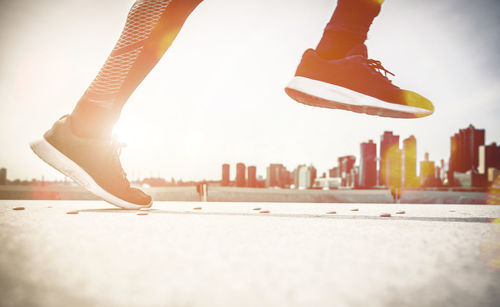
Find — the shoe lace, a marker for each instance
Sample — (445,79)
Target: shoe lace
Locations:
(116,150)
(377,66)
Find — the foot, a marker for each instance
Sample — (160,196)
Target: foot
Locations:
(354,83)
(92,163)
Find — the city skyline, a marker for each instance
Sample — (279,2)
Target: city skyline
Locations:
(195,111)
(395,161)
(471,163)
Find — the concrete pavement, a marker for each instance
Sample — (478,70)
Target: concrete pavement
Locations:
(228,254)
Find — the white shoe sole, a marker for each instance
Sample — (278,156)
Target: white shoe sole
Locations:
(65,165)
(326,95)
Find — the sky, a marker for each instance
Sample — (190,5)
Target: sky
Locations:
(217,94)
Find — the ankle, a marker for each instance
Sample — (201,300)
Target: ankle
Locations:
(335,44)
(92,121)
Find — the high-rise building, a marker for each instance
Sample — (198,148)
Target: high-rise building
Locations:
(464,149)
(225,175)
(442,174)
(299,179)
(393,167)
(314,174)
(427,172)
(277,176)
(3,176)
(240,175)
(346,163)
(252,177)
(304,176)
(489,160)
(368,165)
(333,172)
(353,178)
(437,176)
(489,156)
(387,141)
(409,162)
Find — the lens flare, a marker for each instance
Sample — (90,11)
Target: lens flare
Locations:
(494,192)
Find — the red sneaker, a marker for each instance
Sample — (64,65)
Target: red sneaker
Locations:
(354,83)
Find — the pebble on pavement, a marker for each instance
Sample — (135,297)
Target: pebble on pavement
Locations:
(332,212)
(72,212)
(400,212)
(141,213)
(354,209)
(257,209)
(18,208)
(385,215)
(264,211)
(197,208)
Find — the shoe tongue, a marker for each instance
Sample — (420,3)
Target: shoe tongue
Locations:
(359,49)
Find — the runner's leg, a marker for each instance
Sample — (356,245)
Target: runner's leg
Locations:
(80,146)
(348,27)
(151,27)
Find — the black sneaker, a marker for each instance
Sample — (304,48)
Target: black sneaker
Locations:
(354,83)
(92,163)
